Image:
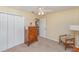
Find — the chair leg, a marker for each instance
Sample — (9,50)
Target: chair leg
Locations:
(73,45)
(65,46)
(59,40)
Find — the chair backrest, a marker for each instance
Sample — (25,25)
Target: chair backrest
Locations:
(69,36)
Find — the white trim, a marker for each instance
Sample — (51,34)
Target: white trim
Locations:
(48,38)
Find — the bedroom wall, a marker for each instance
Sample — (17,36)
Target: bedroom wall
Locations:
(58,22)
(29,17)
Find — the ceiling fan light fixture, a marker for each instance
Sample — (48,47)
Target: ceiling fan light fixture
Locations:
(40,11)
(39,8)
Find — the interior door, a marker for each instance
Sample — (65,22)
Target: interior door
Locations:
(19,30)
(11,30)
(3,31)
(42,27)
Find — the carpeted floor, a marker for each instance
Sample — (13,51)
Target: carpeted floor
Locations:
(42,45)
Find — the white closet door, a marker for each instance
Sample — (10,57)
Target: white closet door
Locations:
(11,31)
(42,27)
(3,31)
(19,30)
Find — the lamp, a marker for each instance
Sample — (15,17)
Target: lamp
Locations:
(75,28)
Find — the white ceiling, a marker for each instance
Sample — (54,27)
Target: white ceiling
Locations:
(46,9)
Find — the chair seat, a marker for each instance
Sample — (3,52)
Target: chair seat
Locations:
(70,42)
(68,39)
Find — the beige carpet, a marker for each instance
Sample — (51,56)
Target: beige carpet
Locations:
(42,45)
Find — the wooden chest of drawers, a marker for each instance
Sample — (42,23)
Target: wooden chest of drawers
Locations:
(31,35)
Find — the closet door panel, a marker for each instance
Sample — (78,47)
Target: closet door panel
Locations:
(11,31)
(3,31)
(19,30)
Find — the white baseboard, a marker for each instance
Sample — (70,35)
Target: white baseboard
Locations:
(49,38)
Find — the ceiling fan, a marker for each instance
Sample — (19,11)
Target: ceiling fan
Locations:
(41,11)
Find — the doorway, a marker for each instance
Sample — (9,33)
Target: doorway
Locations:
(42,27)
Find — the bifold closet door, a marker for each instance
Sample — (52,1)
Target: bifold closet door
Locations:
(15,30)
(19,30)
(3,31)
(11,30)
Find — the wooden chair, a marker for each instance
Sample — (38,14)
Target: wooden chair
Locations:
(67,40)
